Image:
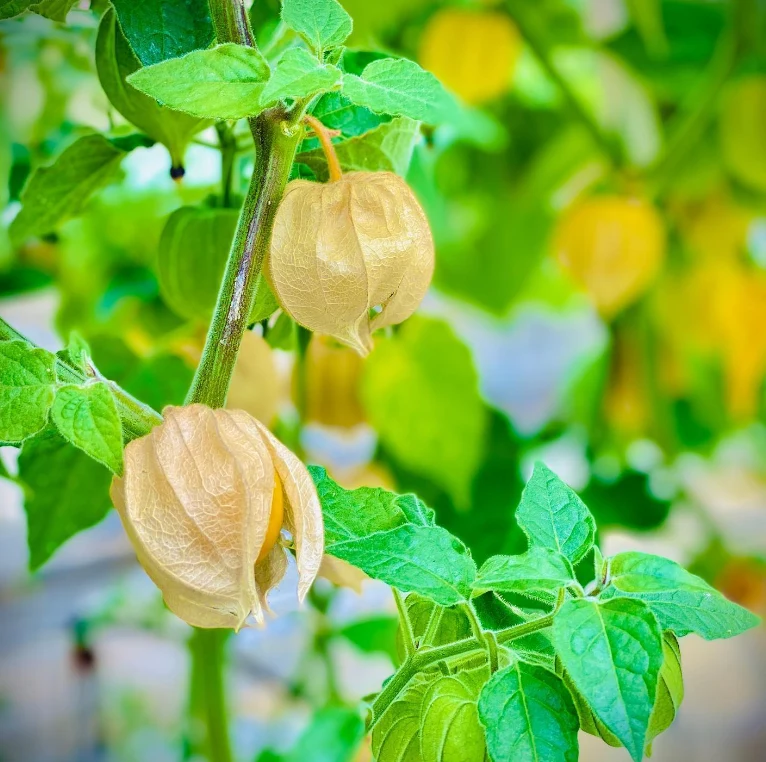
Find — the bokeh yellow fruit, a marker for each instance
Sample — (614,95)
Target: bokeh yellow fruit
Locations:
(612,247)
(333,375)
(742,130)
(473,53)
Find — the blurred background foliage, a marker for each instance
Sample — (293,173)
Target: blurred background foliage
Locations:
(599,298)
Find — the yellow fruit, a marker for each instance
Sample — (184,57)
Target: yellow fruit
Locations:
(742,130)
(350,256)
(612,247)
(203,499)
(333,374)
(472,53)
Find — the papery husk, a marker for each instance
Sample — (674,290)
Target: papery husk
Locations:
(342,249)
(195,501)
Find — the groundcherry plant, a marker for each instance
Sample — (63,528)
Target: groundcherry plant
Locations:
(505,662)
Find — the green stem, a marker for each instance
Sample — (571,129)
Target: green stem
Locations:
(276,141)
(535,38)
(208,652)
(421,660)
(137,418)
(404,623)
(227,144)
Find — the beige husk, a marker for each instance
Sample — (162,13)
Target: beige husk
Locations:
(195,501)
(342,249)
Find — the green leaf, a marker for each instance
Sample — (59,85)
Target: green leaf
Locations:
(529,716)
(56,10)
(425,560)
(453,622)
(11,8)
(681,601)
(396,736)
(387,148)
(76,354)
(333,735)
(539,570)
(612,652)
(66,492)
(322,23)
(421,393)
(161,380)
(670,690)
(115,61)
(400,87)
(450,730)
(298,74)
(337,112)
(552,516)
(87,417)
(374,635)
(27,389)
(191,258)
(392,538)
(162,29)
(224,82)
(265,304)
(57,192)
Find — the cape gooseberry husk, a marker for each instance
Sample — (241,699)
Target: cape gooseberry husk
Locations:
(350,256)
(203,499)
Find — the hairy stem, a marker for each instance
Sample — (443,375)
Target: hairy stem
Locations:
(404,623)
(423,659)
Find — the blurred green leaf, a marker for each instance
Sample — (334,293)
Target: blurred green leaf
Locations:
(374,635)
(115,61)
(386,148)
(56,10)
(59,191)
(298,74)
(322,23)
(159,381)
(66,492)
(421,393)
(11,8)
(647,17)
(162,29)
(87,417)
(224,82)
(27,389)
(333,735)
(191,258)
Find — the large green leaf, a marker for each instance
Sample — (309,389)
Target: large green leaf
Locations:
(681,601)
(392,538)
(87,417)
(298,74)
(539,571)
(552,516)
(27,389)
(402,88)
(333,735)
(11,8)
(450,730)
(162,29)
(66,492)
(421,392)
(337,112)
(115,61)
(386,148)
(529,716)
(57,192)
(322,23)
(396,736)
(56,10)
(224,82)
(612,652)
